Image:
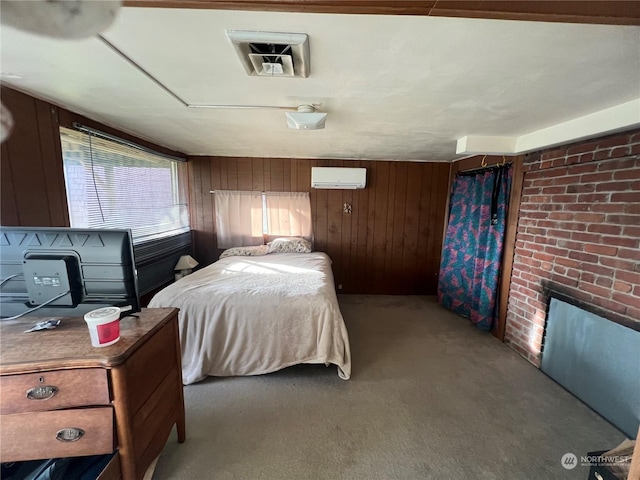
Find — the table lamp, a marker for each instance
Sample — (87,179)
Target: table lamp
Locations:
(185,266)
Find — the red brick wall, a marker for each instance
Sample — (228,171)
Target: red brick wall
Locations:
(578,236)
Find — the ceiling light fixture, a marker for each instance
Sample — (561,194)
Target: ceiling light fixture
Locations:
(306,118)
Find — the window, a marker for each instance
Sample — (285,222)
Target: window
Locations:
(113,185)
(288,214)
(239,218)
(243,218)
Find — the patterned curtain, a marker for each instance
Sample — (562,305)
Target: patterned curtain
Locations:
(472,254)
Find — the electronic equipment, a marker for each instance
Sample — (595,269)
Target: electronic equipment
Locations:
(59,271)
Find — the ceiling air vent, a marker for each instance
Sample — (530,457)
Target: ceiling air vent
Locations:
(272,54)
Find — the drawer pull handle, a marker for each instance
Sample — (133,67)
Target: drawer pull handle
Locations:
(69,434)
(42,392)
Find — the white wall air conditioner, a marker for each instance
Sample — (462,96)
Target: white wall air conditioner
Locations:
(340,178)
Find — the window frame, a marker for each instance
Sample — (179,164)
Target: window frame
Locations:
(176,209)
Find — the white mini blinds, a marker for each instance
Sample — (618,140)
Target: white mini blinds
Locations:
(112,185)
(242,218)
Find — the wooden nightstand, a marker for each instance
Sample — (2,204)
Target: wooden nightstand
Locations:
(61,397)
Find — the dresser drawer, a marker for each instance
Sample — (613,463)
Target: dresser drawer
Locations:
(32,436)
(56,389)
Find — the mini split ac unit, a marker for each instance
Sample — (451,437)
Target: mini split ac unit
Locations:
(338,178)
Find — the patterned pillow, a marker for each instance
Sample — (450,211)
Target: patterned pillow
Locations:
(289,245)
(244,251)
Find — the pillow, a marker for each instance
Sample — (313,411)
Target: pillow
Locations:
(244,251)
(270,238)
(289,245)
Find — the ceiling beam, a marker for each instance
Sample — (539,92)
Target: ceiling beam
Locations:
(371,7)
(604,122)
(599,12)
(603,12)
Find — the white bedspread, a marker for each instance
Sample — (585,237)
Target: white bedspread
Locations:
(254,315)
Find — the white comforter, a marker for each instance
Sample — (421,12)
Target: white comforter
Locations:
(254,315)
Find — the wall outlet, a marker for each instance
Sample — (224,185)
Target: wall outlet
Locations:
(339,286)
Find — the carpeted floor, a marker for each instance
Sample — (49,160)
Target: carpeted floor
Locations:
(430,397)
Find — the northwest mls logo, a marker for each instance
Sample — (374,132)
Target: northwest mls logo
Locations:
(569,461)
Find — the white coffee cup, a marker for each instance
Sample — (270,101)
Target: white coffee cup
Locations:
(104,326)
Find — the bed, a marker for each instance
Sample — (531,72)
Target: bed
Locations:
(249,315)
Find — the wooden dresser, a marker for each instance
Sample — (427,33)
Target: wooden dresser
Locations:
(61,397)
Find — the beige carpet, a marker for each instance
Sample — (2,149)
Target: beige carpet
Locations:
(431,397)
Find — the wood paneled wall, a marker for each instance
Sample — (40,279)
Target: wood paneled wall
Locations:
(32,188)
(391,241)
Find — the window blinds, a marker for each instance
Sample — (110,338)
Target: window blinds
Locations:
(110,185)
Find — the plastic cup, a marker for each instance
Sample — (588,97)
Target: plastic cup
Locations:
(104,326)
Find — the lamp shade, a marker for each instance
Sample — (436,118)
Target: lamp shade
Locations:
(186,262)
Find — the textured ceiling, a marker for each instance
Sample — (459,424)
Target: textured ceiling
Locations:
(394,87)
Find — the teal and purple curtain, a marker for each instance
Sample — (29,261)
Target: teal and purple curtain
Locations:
(472,253)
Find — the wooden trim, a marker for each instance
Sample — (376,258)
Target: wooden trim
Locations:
(602,12)
(634,469)
(517,181)
(452,172)
(65,221)
(112,470)
(598,12)
(371,7)
(181,423)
